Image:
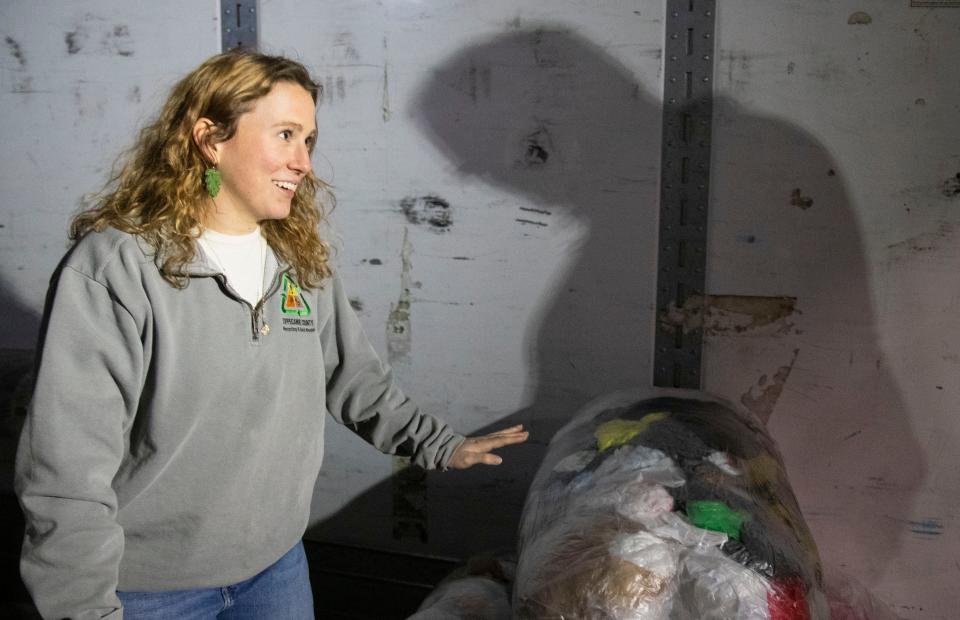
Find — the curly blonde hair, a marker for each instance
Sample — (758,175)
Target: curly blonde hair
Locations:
(156,191)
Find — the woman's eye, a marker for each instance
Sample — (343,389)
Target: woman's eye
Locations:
(286,134)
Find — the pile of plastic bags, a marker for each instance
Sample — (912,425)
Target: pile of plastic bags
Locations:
(667,507)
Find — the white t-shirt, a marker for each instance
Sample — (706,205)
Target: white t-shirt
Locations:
(242,258)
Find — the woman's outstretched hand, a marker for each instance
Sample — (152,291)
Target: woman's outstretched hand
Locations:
(479,449)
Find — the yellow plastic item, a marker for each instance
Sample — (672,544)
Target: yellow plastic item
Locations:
(618,432)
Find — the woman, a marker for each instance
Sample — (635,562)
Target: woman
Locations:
(193,337)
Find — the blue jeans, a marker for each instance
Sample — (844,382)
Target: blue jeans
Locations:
(280,592)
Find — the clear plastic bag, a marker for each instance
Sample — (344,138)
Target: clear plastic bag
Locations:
(675,507)
(478,591)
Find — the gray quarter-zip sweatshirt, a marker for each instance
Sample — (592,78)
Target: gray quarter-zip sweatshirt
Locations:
(175,435)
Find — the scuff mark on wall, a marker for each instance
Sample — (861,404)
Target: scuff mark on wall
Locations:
(859,19)
(328,89)
(343,43)
(537,148)
(341,87)
(356,303)
(797,199)
(16,51)
(548,54)
(385,95)
(429,209)
(791,66)
(74,41)
(385,99)
(927,527)
(951,187)
(134,95)
(530,222)
(922,243)
(532,210)
(372,261)
(24,82)
(762,398)
(113,39)
(724,315)
(398,321)
(409,482)
(118,41)
(88,105)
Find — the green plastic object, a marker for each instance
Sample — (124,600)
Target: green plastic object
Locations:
(715,516)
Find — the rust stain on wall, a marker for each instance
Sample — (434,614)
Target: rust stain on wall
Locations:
(761,398)
(722,315)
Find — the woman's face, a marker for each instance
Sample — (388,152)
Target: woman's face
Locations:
(265,159)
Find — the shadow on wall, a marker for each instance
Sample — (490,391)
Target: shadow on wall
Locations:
(21,326)
(553,118)
(20,323)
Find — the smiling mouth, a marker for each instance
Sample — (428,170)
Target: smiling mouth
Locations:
(287,185)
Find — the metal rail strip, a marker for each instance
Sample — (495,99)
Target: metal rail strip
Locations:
(684,191)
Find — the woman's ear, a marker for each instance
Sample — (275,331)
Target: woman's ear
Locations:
(202,131)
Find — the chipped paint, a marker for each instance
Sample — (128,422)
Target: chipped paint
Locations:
(371,261)
(722,315)
(797,199)
(430,209)
(761,398)
(859,19)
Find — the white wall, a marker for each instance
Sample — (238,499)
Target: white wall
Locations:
(77,79)
(539,124)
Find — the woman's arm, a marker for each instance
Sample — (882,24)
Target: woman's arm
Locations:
(89,374)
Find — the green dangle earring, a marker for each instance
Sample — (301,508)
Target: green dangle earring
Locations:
(211,180)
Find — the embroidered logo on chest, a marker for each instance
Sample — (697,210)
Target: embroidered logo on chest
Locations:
(292,300)
(295,308)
